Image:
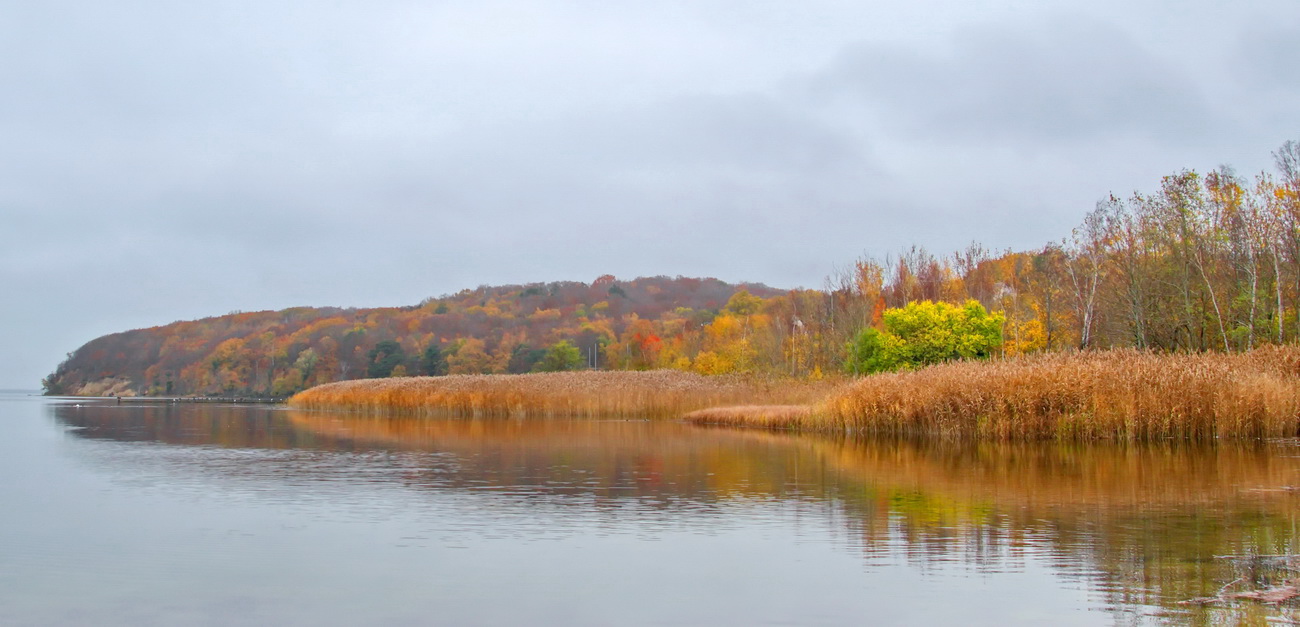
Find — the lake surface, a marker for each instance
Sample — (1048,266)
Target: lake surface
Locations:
(238,515)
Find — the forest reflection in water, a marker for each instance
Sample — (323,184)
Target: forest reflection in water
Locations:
(1145,526)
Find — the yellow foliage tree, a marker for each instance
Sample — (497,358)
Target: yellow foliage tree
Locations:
(471,358)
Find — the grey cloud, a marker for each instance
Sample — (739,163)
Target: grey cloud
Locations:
(644,167)
(688,144)
(1263,90)
(1067,80)
(1267,58)
(748,132)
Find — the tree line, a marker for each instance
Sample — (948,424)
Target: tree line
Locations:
(1203,262)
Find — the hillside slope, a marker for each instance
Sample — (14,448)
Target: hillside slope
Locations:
(488,329)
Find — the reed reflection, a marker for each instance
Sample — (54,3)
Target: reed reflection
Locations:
(1143,525)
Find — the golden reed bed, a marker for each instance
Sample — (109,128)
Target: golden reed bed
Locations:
(656,393)
(1118,394)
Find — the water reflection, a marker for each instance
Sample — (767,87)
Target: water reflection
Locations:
(1144,527)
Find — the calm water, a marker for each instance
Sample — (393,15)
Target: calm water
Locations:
(201,514)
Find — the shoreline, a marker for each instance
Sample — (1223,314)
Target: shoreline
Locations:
(662,394)
(1120,394)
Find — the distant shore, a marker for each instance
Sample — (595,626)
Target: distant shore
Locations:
(158,400)
(237,400)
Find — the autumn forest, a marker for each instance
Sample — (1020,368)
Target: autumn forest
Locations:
(1200,262)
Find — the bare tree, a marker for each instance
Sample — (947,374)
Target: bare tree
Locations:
(1085,254)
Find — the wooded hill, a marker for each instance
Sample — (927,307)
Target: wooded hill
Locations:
(484,330)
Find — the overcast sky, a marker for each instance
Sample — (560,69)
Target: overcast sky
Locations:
(175,160)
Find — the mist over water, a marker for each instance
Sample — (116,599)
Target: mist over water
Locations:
(166,514)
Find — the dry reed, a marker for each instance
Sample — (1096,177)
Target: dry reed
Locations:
(1118,394)
(761,416)
(657,393)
